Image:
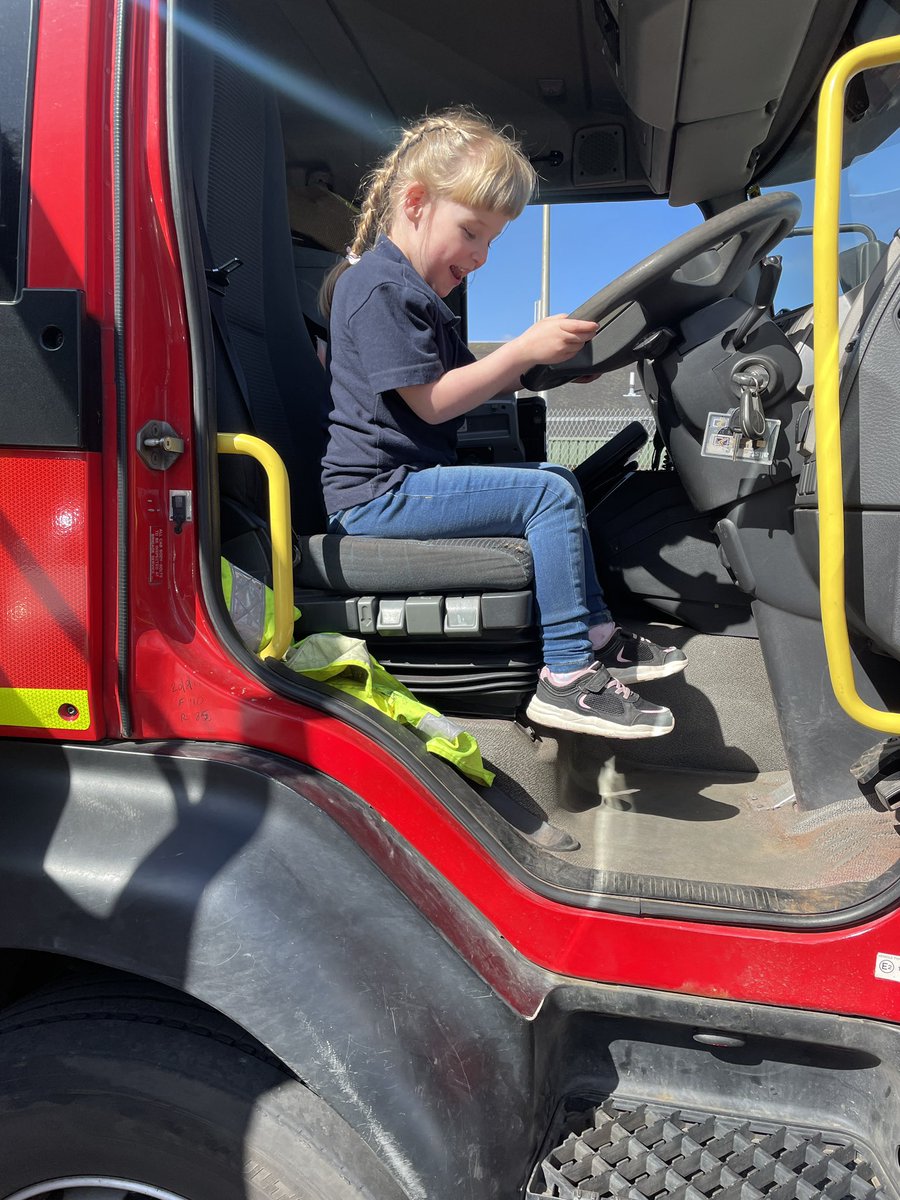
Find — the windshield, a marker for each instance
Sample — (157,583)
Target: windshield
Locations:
(589,245)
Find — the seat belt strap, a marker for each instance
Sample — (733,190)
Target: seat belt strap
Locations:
(216,283)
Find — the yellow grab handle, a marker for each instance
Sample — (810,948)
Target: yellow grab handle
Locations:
(829,149)
(280,527)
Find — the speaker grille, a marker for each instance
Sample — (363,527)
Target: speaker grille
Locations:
(599,155)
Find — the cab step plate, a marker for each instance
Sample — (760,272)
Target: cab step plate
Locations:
(646,1152)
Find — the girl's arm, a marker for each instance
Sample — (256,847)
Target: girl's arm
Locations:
(553,340)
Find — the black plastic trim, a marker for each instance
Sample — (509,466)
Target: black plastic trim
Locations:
(49,354)
(818,1070)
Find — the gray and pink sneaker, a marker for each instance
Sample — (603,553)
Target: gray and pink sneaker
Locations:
(598,704)
(634,659)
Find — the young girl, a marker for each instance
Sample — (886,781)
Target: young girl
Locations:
(402,379)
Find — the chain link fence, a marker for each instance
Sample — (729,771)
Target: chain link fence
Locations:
(575,433)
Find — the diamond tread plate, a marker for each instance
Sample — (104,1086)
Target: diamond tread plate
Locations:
(648,1153)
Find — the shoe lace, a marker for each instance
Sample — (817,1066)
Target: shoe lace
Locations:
(619,688)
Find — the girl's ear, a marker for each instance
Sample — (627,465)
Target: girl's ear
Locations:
(414,201)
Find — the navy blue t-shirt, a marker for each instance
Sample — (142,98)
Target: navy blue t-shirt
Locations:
(389,330)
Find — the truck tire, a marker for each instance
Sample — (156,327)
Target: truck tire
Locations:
(105,1088)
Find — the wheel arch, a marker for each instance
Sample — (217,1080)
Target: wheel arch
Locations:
(219,872)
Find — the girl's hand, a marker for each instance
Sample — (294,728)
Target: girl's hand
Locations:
(555,339)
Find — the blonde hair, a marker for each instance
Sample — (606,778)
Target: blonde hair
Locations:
(456,154)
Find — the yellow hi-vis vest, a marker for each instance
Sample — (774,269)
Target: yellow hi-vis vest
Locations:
(346,664)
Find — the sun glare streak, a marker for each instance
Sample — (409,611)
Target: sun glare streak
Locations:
(374,126)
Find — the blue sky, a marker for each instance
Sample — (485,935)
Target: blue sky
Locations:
(593,243)
(590,244)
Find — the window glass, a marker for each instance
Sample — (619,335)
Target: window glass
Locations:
(870,182)
(16,21)
(869,216)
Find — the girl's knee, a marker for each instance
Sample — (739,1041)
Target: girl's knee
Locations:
(554,470)
(563,482)
(560,491)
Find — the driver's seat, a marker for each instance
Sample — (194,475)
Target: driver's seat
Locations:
(452,618)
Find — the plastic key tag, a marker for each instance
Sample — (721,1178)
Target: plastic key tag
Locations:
(723,439)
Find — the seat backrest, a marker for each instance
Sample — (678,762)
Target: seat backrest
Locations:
(856,264)
(237,153)
(854,306)
(311,266)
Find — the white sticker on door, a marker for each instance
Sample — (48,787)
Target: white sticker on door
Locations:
(887,966)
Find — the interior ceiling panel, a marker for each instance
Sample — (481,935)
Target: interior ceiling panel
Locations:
(417,70)
(520,43)
(396,61)
(355,69)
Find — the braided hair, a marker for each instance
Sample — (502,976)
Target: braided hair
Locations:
(457,154)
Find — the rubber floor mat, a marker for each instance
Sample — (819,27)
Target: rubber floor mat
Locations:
(645,1152)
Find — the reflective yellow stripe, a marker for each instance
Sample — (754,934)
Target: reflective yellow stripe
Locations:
(827,378)
(45,708)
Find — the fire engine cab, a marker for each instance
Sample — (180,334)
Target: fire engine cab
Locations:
(256,942)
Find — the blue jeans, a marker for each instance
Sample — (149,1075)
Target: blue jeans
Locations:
(538,501)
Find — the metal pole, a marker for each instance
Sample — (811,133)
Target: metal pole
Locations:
(544,303)
(545,264)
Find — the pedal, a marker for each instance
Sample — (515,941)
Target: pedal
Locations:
(881,759)
(878,772)
(888,791)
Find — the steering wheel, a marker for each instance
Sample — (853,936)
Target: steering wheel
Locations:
(695,270)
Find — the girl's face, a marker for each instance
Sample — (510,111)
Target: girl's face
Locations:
(443,240)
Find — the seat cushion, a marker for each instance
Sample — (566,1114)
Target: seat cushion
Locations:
(360,565)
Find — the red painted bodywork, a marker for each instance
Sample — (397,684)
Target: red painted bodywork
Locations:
(184,682)
(50,610)
(70,246)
